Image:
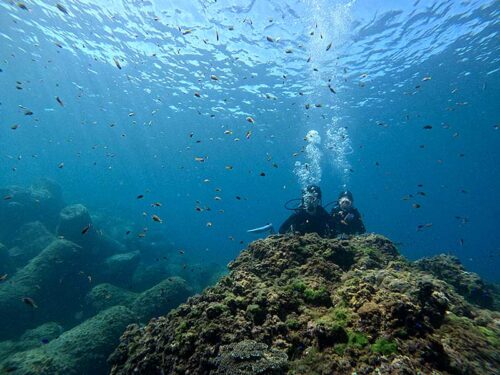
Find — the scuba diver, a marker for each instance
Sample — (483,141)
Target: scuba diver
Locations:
(346,218)
(310,216)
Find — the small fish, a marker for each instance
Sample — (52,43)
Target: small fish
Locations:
(14,126)
(229,132)
(199,159)
(427,78)
(28,112)
(117,63)
(229,167)
(269,39)
(22,5)
(217,35)
(197,94)
(62,8)
(262,174)
(60,166)
(29,301)
(156,218)
(332,90)
(187,31)
(3,277)
(44,341)
(416,205)
(156,204)
(209,224)
(86,228)
(309,59)
(127,233)
(427,127)
(329,46)
(214,77)
(288,50)
(140,196)
(248,134)
(250,119)
(60,101)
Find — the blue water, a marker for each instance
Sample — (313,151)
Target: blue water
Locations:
(395,67)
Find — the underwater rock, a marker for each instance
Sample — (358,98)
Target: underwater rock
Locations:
(48,288)
(147,276)
(468,284)
(4,260)
(161,298)
(75,224)
(119,268)
(19,205)
(104,296)
(308,305)
(81,350)
(30,240)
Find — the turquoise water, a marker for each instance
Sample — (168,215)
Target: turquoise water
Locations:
(140,114)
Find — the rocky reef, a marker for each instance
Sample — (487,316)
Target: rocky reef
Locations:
(307,305)
(68,289)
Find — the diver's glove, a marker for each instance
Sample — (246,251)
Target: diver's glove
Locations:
(266,228)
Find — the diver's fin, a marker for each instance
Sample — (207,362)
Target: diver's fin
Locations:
(268,227)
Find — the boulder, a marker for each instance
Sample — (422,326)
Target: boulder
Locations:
(50,287)
(104,296)
(161,298)
(75,224)
(30,240)
(119,268)
(81,350)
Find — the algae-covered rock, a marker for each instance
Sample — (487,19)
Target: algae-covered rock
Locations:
(81,350)
(75,223)
(308,305)
(30,240)
(119,268)
(104,296)
(42,201)
(47,288)
(161,298)
(448,268)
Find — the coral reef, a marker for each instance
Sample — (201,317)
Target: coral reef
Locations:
(307,305)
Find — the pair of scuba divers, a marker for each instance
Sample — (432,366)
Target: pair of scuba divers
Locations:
(311,217)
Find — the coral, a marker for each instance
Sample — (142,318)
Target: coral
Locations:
(308,305)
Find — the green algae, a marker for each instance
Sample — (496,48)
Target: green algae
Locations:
(491,336)
(384,346)
(315,296)
(357,340)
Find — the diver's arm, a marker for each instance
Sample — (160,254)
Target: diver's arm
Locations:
(360,227)
(288,224)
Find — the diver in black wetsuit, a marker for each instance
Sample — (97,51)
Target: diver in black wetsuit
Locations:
(310,216)
(346,218)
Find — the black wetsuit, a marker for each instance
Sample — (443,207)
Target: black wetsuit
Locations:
(302,222)
(347,221)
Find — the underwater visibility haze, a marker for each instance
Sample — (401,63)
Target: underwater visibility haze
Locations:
(176,126)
